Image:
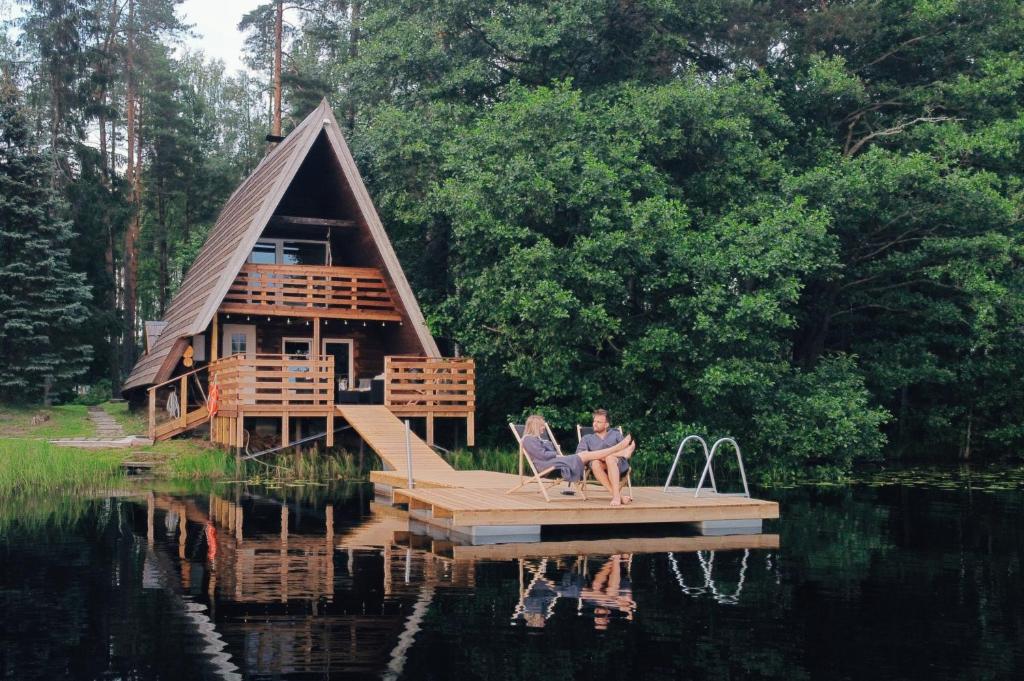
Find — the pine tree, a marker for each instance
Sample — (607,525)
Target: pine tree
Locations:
(42,302)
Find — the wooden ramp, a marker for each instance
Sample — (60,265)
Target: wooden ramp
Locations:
(385,434)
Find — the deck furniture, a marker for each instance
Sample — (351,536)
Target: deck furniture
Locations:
(544,478)
(626,478)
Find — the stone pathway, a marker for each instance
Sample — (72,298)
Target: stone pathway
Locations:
(106,427)
(109,434)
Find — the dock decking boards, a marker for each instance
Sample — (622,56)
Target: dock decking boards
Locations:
(476,507)
(478,498)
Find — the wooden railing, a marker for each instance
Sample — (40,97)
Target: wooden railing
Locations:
(437,385)
(311,291)
(274,381)
(185,388)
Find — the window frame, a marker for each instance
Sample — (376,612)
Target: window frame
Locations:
(279,249)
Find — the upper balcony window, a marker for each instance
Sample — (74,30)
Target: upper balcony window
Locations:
(290,252)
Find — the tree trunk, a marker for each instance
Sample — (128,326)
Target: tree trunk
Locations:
(353,52)
(131,236)
(162,268)
(278,30)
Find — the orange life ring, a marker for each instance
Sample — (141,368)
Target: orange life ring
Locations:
(213,401)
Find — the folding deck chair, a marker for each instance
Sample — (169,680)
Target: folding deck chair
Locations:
(542,477)
(587,430)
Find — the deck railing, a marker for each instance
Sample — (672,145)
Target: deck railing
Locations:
(272,381)
(311,291)
(421,385)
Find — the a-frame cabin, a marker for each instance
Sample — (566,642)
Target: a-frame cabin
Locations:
(296,304)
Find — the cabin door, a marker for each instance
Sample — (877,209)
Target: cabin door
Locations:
(344,375)
(239,339)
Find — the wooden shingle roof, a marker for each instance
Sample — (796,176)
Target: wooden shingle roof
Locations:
(238,227)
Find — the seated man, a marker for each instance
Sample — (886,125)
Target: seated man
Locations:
(608,471)
(544,455)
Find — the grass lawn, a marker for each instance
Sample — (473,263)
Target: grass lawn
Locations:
(66,420)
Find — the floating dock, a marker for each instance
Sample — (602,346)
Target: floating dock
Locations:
(474,506)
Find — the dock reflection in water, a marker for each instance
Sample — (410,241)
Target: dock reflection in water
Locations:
(286,589)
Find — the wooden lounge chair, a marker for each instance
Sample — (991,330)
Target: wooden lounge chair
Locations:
(625,479)
(543,478)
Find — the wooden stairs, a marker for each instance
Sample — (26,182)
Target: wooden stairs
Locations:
(188,421)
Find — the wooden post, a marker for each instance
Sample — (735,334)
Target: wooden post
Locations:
(152,413)
(471,435)
(284,429)
(184,401)
(330,426)
(317,350)
(430,428)
(214,341)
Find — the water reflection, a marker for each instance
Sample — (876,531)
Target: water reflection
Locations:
(605,595)
(710,586)
(282,588)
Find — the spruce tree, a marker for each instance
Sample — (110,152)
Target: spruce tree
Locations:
(42,302)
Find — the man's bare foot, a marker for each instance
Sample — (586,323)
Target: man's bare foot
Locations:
(616,501)
(628,451)
(626,499)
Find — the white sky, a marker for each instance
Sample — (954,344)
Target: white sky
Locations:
(215,25)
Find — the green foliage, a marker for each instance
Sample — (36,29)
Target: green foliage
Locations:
(98,393)
(797,223)
(42,302)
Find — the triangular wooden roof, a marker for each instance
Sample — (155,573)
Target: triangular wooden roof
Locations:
(238,227)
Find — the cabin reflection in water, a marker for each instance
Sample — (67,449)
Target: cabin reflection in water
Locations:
(283,588)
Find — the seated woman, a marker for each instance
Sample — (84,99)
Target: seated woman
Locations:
(544,454)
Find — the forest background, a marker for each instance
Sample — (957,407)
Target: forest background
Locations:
(794,221)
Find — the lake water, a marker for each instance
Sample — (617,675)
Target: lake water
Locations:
(917,580)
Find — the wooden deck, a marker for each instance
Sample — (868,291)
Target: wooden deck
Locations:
(477,507)
(450,498)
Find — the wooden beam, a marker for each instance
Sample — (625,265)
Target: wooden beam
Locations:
(152,413)
(310,222)
(214,341)
(183,408)
(330,428)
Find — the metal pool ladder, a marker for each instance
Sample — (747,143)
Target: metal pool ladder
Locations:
(708,471)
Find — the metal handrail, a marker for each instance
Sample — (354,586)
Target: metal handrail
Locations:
(711,456)
(679,452)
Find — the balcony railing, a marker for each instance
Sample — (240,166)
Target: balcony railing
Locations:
(429,385)
(271,382)
(311,291)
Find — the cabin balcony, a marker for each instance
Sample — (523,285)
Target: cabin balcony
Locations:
(289,387)
(273,384)
(311,291)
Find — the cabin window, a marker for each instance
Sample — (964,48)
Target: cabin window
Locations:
(290,252)
(239,346)
(264,254)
